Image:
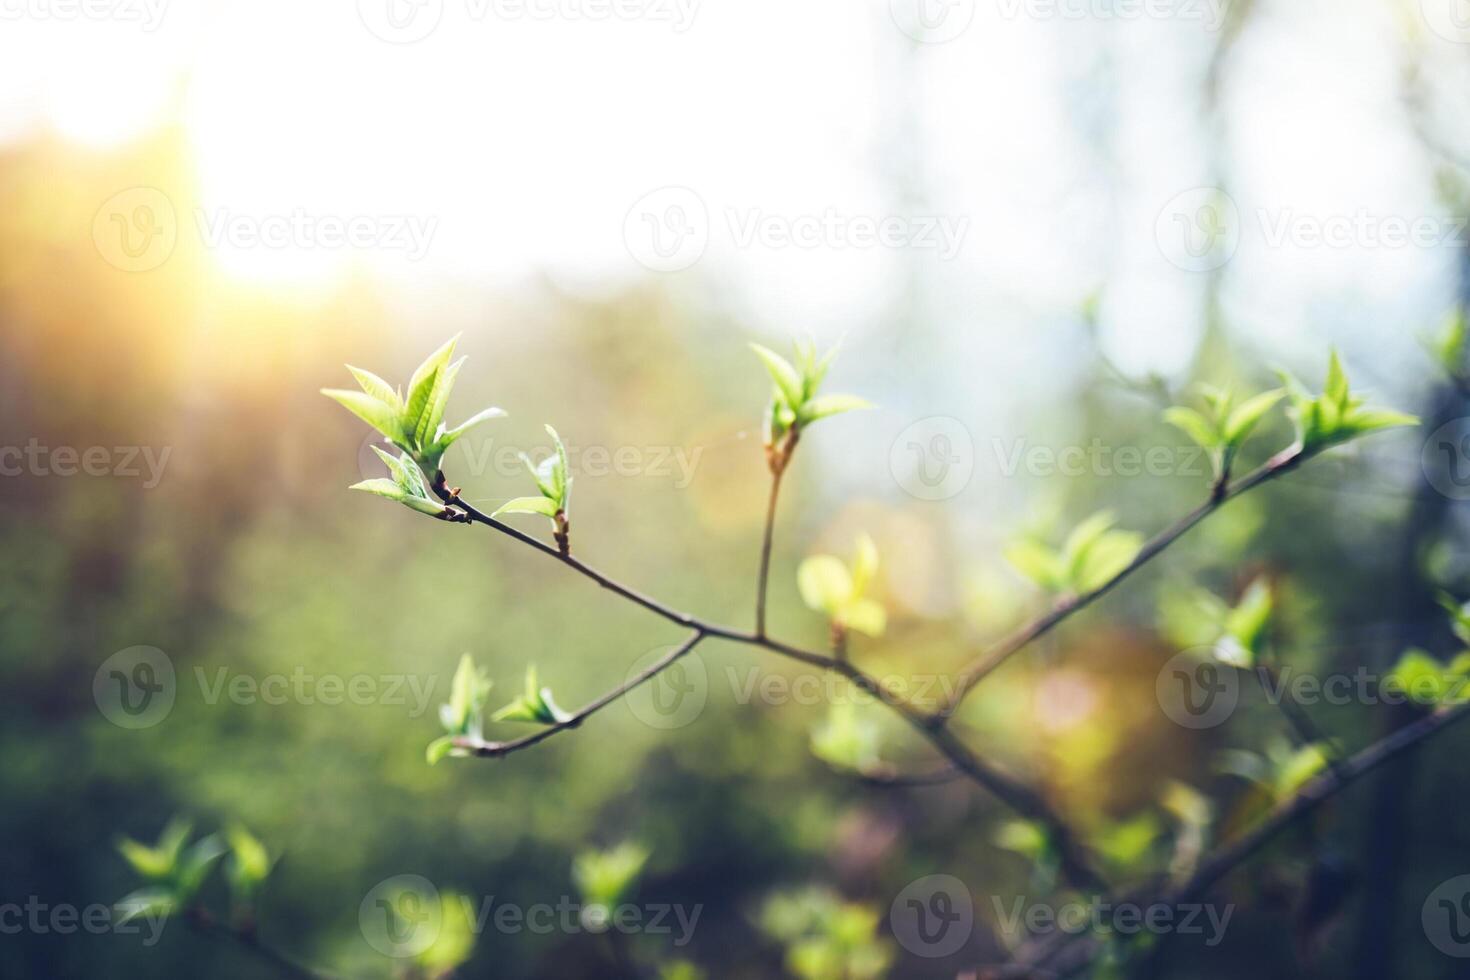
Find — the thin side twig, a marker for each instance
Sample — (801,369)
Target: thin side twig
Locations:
(971,675)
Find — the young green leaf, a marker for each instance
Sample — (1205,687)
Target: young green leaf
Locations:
(844,741)
(248,866)
(1245,626)
(415,423)
(607,877)
(454,939)
(375,386)
(794,402)
(1335,417)
(825,406)
(386,418)
(1426,681)
(838,591)
(150,903)
(1448,346)
(1459,615)
(194,866)
(544,506)
(553,480)
(159,862)
(788,382)
(824,583)
(535,705)
(1036,561)
(406,486)
(1196,426)
(1223,427)
(439,748)
(1243,419)
(468,692)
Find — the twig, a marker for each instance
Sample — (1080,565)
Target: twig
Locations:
(1010,790)
(497,749)
(248,939)
(981,667)
(1286,813)
(764,575)
(1297,717)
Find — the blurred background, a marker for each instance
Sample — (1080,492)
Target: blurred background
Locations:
(1031,226)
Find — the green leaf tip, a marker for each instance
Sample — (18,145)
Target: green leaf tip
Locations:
(414,422)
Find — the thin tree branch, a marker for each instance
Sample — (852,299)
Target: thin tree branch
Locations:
(1004,786)
(764,575)
(1286,813)
(497,749)
(248,939)
(892,776)
(981,667)
(1297,717)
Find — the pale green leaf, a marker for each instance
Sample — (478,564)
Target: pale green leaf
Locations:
(374,411)
(825,406)
(250,861)
(845,741)
(1104,559)
(1037,562)
(377,387)
(432,419)
(607,877)
(864,616)
(1194,425)
(824,583)
(1248,414)
(528,505)
(151,903)
(454,940)
(787,380)
(439,748)
(421,387)
(1245,626)
(383,487)
(450,436)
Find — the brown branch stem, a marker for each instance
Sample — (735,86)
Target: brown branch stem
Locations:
(1285,814)
(1002,785)
(975,672)
(768,536)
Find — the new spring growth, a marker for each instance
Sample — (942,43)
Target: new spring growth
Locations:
(415,424)
(554,480)
(839,591)
(795,403)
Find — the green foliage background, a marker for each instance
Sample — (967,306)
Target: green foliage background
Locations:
(251,556)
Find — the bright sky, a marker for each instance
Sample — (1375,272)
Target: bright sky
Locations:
(811,159)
